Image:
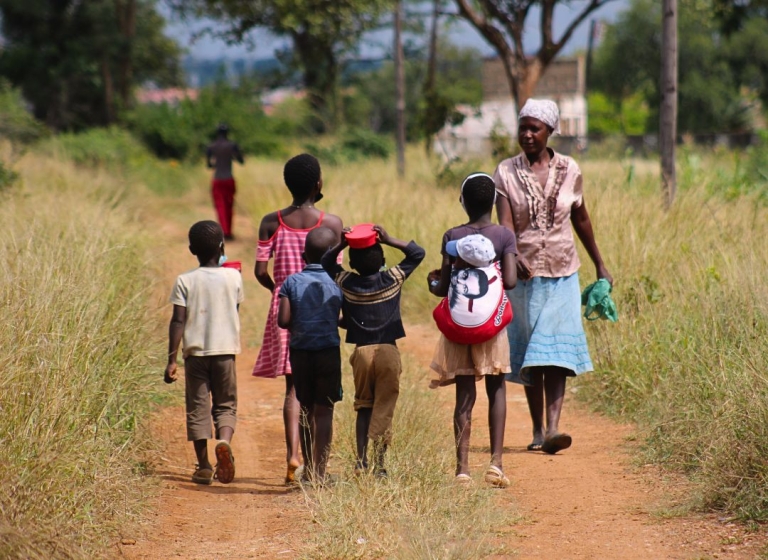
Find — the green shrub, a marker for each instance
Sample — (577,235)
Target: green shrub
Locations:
(452,174)
(16,122)
(354,145)
(7,176)
(98,146)
(360,143)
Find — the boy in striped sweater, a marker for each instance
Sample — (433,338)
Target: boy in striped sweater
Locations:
(371,311)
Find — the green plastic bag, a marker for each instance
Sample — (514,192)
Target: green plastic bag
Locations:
(599,304)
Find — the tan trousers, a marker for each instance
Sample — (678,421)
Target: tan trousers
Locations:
(210,378)
(376,370)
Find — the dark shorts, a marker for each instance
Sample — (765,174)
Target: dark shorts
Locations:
(317,375)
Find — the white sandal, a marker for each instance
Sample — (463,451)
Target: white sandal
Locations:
(495,477)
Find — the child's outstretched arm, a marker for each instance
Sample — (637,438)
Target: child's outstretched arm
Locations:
(414,254)
(175,332)
(329,261)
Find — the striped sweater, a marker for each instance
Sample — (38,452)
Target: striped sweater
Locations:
(372,303)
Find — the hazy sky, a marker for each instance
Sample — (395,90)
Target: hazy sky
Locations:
(374,44)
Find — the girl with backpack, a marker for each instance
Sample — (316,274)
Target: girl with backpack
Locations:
(479,263)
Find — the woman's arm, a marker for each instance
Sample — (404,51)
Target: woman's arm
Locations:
(583,227)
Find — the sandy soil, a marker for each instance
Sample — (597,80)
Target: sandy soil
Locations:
(591,501)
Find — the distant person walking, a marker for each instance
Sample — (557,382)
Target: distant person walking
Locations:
(219,156)
(541,200)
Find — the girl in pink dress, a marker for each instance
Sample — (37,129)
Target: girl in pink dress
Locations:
(282,235)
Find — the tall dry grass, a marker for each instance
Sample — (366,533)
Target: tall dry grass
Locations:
(418,511)
(688,359)
(74,389)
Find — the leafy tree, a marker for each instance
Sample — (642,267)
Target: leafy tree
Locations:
(630,116)
(322,32)
(502,23)
(77,62)
(734,15)
(712,67)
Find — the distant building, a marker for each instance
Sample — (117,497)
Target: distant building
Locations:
(171,96)
(563,82)
(272,98)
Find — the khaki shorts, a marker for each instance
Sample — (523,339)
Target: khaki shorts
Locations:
(376,370)
(210,378)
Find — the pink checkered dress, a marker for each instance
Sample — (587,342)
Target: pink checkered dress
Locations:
(286,246)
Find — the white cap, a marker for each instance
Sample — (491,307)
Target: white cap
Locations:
(475,250)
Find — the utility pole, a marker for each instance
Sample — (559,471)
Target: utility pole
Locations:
(430,83)
(400,89)
(668,112)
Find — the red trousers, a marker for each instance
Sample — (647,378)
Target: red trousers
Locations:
(223,191)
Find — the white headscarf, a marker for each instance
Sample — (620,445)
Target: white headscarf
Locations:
(544,110)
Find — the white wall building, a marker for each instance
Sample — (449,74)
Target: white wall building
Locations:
(562,82)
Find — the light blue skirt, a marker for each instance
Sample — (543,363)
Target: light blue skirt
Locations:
(546,329)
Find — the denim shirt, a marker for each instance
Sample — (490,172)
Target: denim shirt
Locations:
(315,306)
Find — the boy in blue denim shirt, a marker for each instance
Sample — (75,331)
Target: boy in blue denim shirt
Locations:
(310,303)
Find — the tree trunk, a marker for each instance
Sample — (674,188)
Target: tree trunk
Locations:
(668,109)
(400,90)
(320,71)
(126,21)
(528,82)
(109,90)
(430,82)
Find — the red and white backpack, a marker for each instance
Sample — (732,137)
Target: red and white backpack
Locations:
(476,308)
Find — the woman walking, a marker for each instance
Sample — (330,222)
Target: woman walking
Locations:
(540,199)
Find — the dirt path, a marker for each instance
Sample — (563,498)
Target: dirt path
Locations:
(588,502)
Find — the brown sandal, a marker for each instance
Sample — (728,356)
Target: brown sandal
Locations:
(202,476)
(225,467)
(556,443)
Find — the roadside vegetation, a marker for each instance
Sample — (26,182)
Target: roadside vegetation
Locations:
(687,359)
(74,393)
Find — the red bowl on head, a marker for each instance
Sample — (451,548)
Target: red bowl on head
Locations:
(361,236)
(237,265)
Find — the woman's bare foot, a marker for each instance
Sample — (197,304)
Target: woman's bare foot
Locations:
(290,473)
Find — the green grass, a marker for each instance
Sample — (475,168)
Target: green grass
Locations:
(74,391)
